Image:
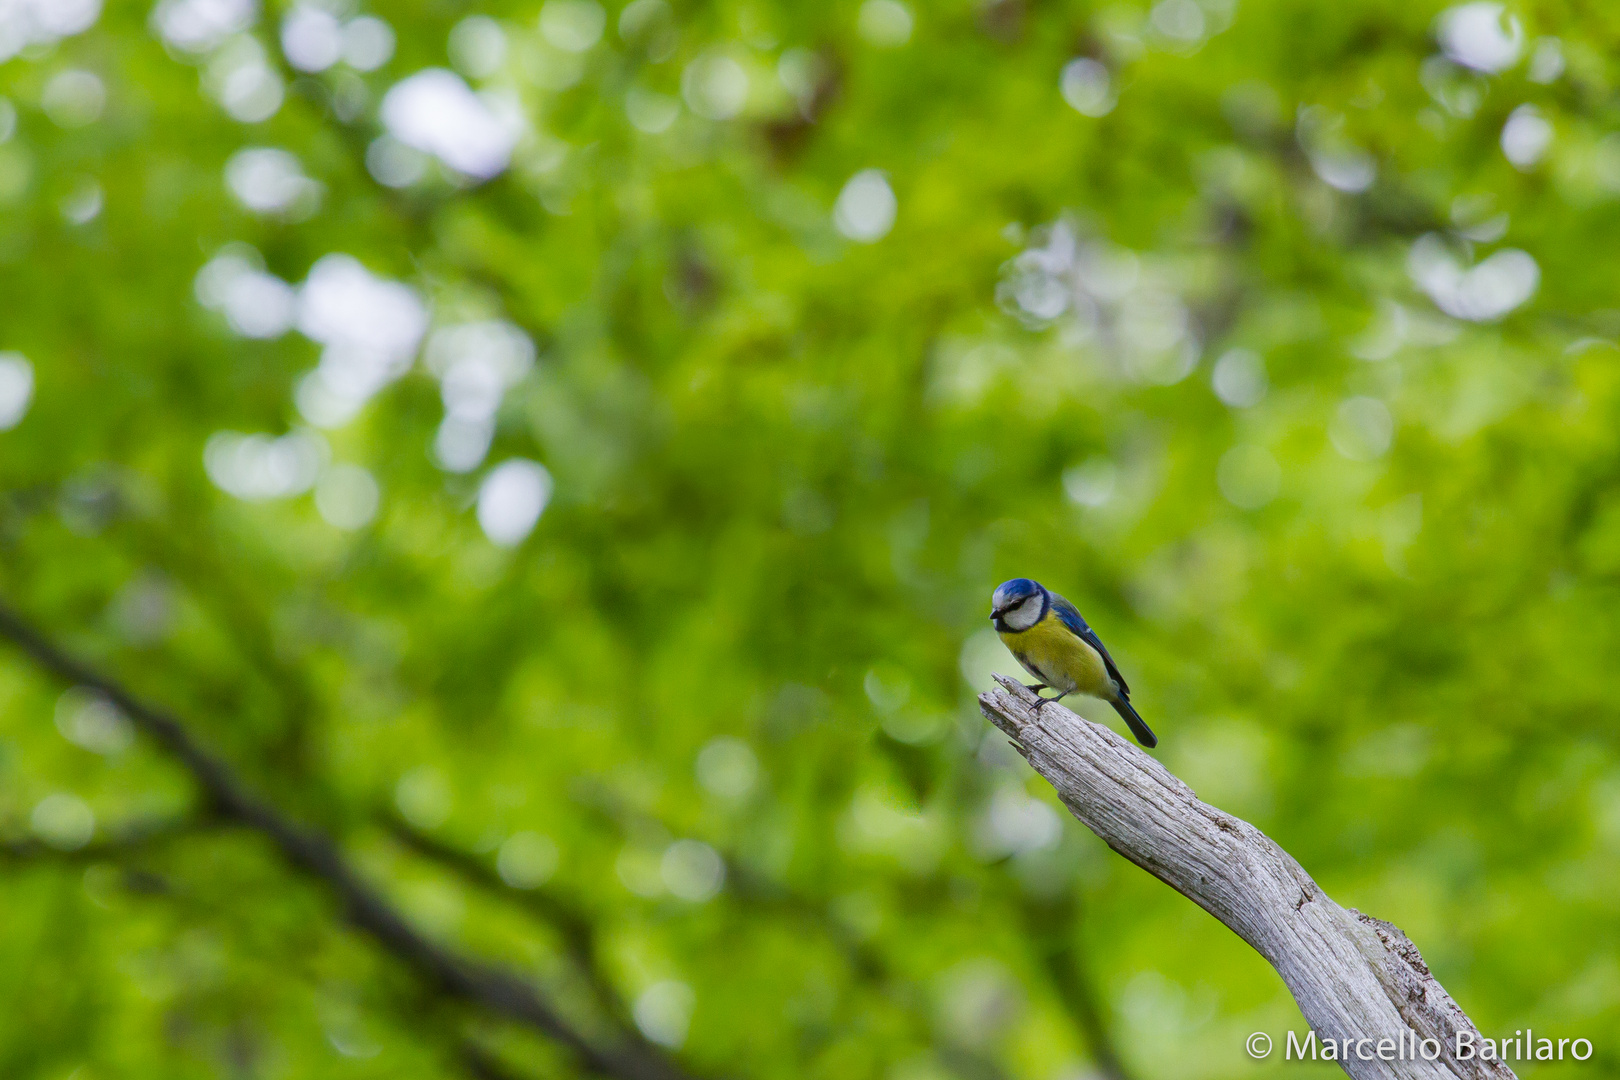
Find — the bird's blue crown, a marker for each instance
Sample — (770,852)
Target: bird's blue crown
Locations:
(1011,592)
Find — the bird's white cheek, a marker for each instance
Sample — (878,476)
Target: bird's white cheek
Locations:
(1025,615)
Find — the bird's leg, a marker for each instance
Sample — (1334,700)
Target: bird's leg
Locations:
(1045,701)
(1036,688)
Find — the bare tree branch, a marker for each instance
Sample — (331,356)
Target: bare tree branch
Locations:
(491,987)
(1354,977)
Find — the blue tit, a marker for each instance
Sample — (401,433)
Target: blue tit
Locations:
(1049,638)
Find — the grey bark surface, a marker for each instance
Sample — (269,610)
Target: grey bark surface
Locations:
(1354,977)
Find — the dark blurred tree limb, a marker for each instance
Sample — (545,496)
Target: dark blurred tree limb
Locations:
(1355,977)
(313,851)
(119,843)
(1050,928)
(481,1064)
(573,926)
(579,933)
(867,963)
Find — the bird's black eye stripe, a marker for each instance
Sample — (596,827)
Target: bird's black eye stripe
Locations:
(996,613)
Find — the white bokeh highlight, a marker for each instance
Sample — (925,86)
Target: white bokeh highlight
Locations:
(435,112)
(270,181)
(16,389)
(692,871)
(511,500)
(573,26)
(370,328)
(715,86)
(368,43)
(82,203)
(1092,482)
(866,207)
(727,768)
(74,98)
(199,26)
(885,24)
(1239,378)
(1014,823)
(63,820)
(1526,137)
(1111,295)
(1182,21)
(311,38)
(347,497)
(240,76)
(649,111)
(478,46)
(663,1012)
(42,23)
(476,363)
(1087,86)
(526,860)
(1484,292)
(1546,61)
(1337,161)
(88,720)
(393,164)
(258,468)
(1481,36)
(256,304)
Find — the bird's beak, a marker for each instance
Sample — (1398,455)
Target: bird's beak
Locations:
(996,613)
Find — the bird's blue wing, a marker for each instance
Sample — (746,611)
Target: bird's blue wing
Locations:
(1070,616)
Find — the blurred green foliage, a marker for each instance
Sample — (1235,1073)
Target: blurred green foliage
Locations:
(1279,337)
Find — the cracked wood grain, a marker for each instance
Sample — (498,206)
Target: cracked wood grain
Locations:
(1354,977)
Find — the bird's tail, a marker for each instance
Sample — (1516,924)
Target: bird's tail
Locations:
(1143,733)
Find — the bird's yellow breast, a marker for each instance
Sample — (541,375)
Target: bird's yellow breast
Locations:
(1051,652)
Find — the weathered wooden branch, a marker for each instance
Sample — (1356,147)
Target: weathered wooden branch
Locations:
(1355,977)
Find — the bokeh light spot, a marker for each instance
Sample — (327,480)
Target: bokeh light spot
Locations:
(511,499)
(692,870)
(887,24)
(16,388)
(727,768)
(866,207)
(663,1012)
(527,860)
(64,821)
(346,496)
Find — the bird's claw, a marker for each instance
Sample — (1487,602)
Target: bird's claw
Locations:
(1041,702)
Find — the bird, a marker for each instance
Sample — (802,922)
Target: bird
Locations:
(1047,635)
